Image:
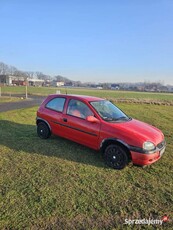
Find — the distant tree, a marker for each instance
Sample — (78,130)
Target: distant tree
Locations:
(42,76)
(61,78)
(9,70)
(77,84)
(105,85)
(12,70)
(4,69)
(30,74)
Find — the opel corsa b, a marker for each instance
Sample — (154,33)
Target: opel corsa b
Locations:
(100,125)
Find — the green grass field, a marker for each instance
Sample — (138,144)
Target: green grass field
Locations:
(57,184)
(92,92)
(9,99)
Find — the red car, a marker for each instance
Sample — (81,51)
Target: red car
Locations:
(100,125)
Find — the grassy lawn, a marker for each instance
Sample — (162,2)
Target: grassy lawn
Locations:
(57,184)
(91,92)
(9,99)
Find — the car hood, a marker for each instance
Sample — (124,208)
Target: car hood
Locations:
(138,131)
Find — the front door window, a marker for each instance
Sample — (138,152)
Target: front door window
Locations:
(78,109)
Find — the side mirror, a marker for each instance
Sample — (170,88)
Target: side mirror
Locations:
(92,119)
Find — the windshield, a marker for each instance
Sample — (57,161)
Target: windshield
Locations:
(108,111)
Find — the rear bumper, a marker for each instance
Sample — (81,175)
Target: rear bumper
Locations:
(146,159)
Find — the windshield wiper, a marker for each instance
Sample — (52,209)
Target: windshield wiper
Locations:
(122,118)
(108,118)
(116,119)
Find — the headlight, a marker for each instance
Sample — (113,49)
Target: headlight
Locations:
(148,146)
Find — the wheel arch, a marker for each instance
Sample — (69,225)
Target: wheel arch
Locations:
(39,120)
(106,142)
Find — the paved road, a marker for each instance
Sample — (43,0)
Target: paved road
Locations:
(31,101)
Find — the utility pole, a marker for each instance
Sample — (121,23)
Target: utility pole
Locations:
(26,88)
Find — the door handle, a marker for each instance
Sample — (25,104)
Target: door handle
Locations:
(65,119)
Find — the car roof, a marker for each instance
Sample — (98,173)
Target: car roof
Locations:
(75,96)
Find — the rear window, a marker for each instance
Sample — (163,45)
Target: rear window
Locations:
(56,104)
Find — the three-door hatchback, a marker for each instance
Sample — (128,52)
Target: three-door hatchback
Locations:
(100,125)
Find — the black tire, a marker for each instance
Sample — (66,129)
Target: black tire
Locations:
(43,130)
(115,157)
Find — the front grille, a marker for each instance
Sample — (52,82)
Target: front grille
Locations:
(161,144)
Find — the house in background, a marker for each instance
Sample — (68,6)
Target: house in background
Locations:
(12,80)
(115,86)
(59,83)
(35,82)
(19,80)
(2,79)
(55,83)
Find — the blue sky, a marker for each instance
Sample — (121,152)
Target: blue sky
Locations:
(90,40)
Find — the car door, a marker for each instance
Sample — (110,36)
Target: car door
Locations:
(77,128)
(53,114)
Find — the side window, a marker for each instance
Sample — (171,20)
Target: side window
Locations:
(56,104)
(78,109)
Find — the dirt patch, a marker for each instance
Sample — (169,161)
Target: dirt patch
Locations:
(141,101)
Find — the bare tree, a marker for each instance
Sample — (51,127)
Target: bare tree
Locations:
(3,68)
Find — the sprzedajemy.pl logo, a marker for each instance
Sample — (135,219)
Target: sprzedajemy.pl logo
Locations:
(147,221)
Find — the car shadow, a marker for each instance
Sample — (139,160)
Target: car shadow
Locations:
(23,137)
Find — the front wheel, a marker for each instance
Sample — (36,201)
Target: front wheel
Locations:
(115,157)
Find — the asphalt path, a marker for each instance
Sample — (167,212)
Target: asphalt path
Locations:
(25,103)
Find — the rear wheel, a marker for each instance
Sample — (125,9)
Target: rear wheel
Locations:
(115,156)
(43,130)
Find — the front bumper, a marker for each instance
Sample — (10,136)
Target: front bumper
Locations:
(140,158)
